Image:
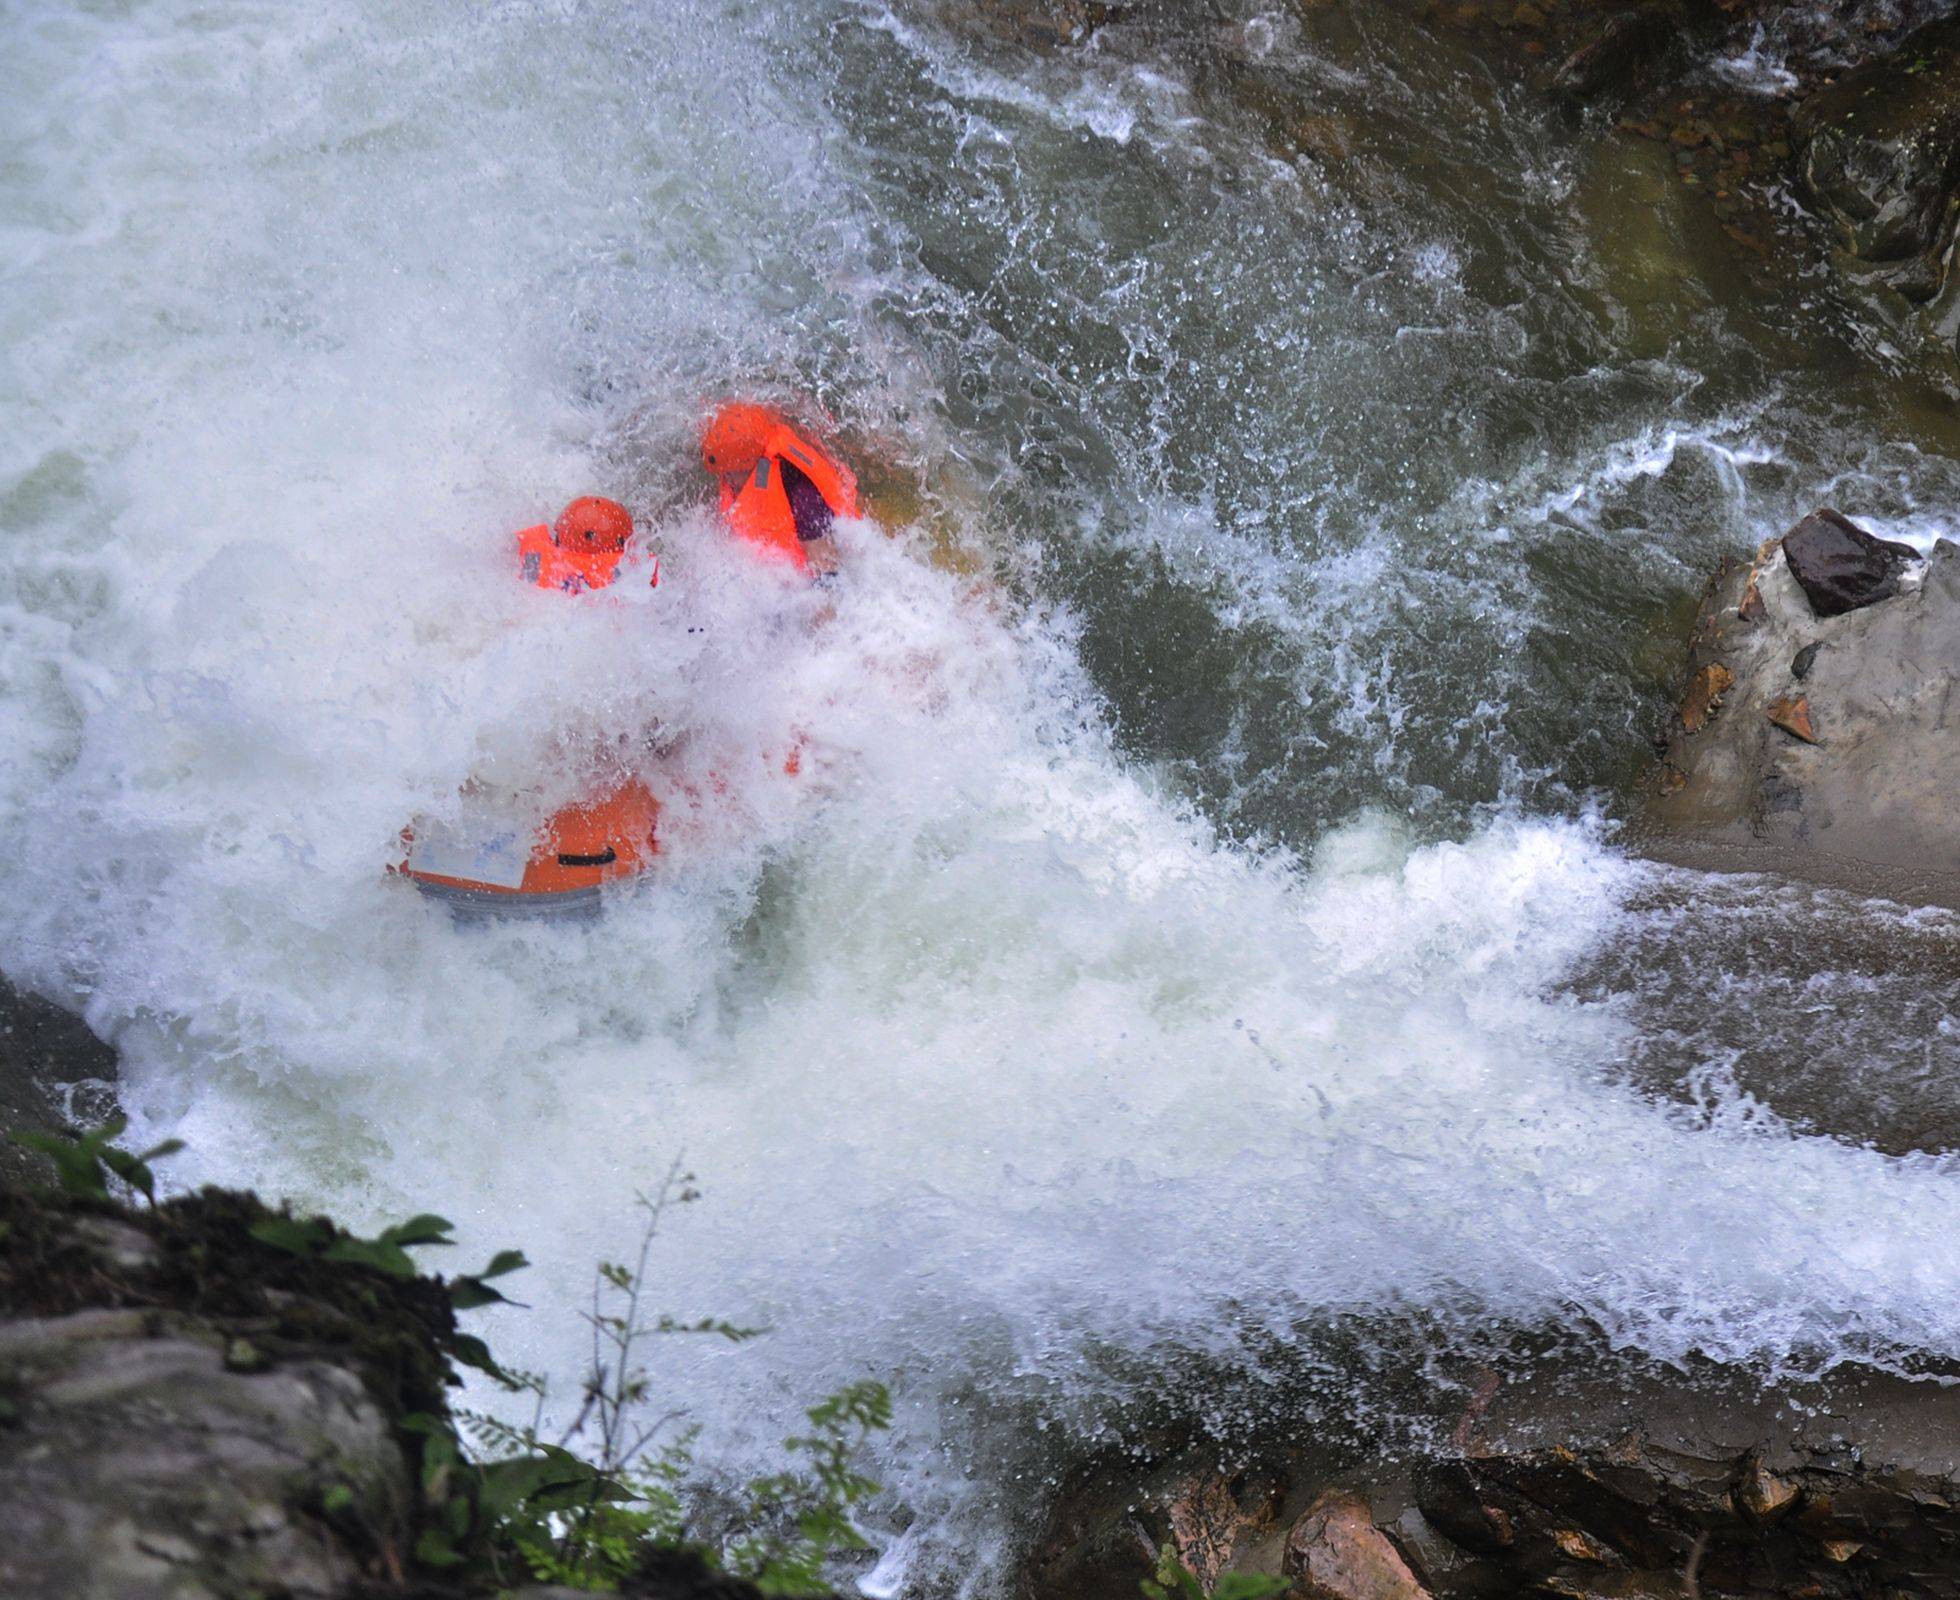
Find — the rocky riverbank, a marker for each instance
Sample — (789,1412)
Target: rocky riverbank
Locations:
(1655,1486)
(191,1412)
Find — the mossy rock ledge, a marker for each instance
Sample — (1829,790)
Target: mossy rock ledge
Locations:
(187,1413)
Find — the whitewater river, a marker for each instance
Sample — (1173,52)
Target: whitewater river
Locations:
(1198,925)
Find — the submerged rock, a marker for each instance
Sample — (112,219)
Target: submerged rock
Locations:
(1817,732)
(1039,24)
(1616,53)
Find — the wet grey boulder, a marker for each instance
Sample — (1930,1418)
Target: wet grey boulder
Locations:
(190,1413)
(150,1458)
(1823,747)
(1840,567)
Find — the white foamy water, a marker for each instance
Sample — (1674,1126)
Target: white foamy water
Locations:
(995,1060)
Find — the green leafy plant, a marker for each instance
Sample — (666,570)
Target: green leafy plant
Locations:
(806,1515)
(1176,1581)
(86,1164)
(387,1252)
(583,1508)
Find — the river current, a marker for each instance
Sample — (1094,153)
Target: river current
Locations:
(1199,927)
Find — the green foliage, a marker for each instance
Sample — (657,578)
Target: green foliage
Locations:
(584,1508)
(1176,1581)
(85,1164)
(807,1513)
(387,1253)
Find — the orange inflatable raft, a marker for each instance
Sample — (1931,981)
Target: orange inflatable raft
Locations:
(558,866)
(780,492)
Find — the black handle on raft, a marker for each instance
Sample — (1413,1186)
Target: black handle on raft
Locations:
(605,859)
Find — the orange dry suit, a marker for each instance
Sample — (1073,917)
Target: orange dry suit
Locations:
(793,492)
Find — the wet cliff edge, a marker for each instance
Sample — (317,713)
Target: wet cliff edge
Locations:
(45,1052)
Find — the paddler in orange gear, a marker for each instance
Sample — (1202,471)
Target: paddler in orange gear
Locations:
(582,549)
(779,492)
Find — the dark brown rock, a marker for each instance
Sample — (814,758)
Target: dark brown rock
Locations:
(1840,567)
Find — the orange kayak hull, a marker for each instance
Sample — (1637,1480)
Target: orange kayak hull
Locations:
(563,866)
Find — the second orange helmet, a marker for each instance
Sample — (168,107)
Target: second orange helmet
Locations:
(593,523)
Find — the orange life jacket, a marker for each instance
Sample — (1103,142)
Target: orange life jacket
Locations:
(760,511)
(550,565)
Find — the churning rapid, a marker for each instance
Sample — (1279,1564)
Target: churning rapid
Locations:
(1198,925)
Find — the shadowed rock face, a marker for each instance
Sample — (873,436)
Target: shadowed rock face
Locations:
(42,1047)
(1882,156)
(1819,740)
(1662,1486)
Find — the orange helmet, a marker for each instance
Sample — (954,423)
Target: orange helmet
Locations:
(735,439)
(590,523)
